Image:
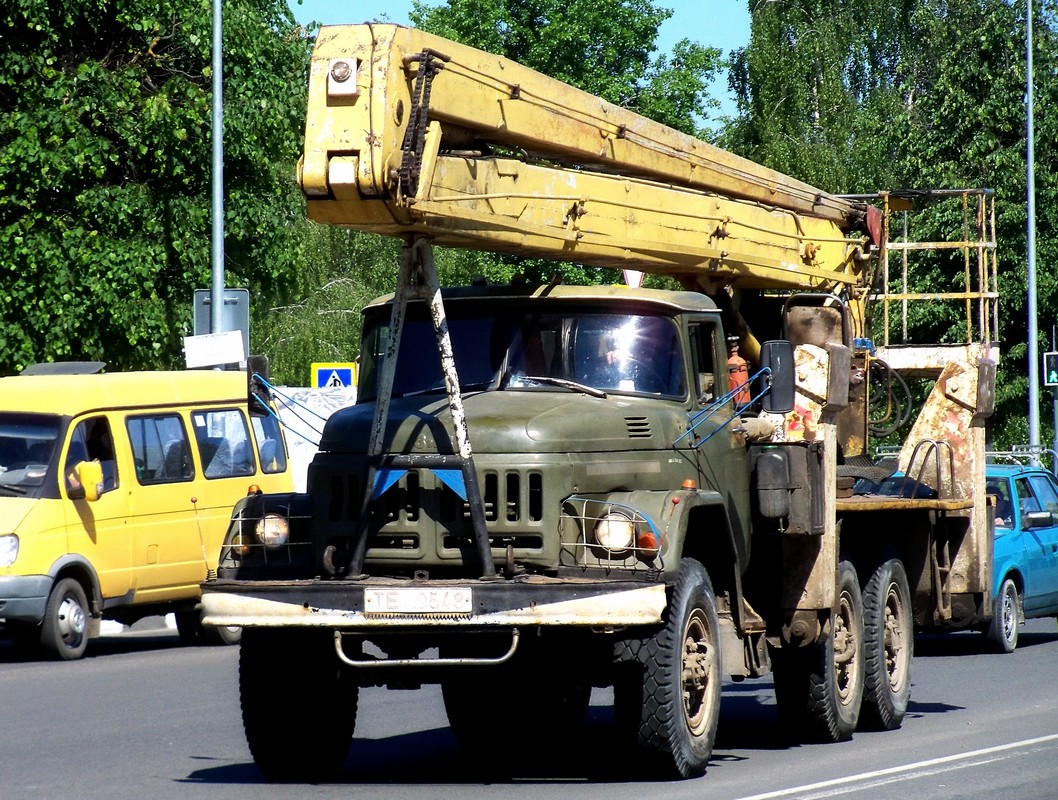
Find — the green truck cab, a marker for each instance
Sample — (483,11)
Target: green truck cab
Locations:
(611,474)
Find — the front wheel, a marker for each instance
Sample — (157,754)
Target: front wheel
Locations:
(298,703)
(1003,630)
(668,692)
(64,632)
(889,633)
(819,688)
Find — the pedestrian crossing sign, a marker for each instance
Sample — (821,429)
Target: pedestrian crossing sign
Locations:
(334,375)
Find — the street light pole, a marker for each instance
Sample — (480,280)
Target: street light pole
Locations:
(1034,357)
(217,288)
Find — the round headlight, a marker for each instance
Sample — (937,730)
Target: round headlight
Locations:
(273,531)
(615,532)
(8,550)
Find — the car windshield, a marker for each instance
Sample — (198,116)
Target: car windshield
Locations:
(27,443)
(591,350)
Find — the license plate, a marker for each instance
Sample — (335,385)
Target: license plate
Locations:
(418,601)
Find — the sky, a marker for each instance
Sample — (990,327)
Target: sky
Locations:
(714,23)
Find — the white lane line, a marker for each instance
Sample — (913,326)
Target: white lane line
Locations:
(924,766)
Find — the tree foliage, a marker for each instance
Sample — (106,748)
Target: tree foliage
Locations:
(105,144)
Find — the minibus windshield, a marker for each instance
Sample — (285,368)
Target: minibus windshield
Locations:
(27,444)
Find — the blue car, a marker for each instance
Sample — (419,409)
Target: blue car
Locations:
(1025,569)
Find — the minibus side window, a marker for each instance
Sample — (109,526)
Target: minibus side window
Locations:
(160,449)
(270,444)
(91,441)
(223,443)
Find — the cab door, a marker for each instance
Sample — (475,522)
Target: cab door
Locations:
(99,530)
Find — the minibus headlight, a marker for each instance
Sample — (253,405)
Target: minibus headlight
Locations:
(273,531)
(8,550)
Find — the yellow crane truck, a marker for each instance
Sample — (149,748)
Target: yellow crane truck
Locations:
(547,488)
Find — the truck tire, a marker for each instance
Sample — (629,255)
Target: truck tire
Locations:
(298,703)
(64,631)
(1006,616)
(889,641)
(544,700)
(667,687)
(819,688)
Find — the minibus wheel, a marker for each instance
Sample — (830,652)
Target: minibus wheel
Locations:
(64,632)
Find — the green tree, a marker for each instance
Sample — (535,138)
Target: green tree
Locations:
(105,142)
(817,87)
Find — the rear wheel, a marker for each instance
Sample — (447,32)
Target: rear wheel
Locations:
(889,644)
(668,688)
(298,703)
(1003,630)
(819,688)
(64,632)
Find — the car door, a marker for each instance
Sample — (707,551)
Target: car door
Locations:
(1045,538)
(168,554)
(99,530)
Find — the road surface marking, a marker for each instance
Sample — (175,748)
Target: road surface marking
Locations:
(842,784)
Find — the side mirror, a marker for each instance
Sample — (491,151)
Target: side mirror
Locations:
(777,356)
(1037,519)
(90,476)
(257,395)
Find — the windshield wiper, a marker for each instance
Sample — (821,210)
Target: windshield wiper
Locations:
(7,487)
(565,383)
(439,388)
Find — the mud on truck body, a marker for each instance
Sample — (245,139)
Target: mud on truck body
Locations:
(545,488)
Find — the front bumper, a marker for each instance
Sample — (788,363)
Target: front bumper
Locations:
(361,605)
(23,598)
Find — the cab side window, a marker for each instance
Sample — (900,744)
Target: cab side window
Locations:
(703,358)
(160,449)
(223,441)
(270,444)
(91,441)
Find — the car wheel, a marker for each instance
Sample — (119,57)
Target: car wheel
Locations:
(192,631)
(888,630)
(1006,616)
(64,633)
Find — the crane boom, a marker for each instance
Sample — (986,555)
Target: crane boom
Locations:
(411,134)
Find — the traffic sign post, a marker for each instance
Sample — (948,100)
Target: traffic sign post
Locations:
(334,375)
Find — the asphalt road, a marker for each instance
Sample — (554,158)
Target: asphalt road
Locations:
(143,716)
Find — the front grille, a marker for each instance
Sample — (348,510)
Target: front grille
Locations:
(404,515)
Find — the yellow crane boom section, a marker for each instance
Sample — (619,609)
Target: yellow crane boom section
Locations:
(411,134)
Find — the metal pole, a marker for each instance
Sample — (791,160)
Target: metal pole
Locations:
(216,315)
(1034,356)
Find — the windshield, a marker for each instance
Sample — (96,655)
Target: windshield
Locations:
(27,442)
(598,350)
